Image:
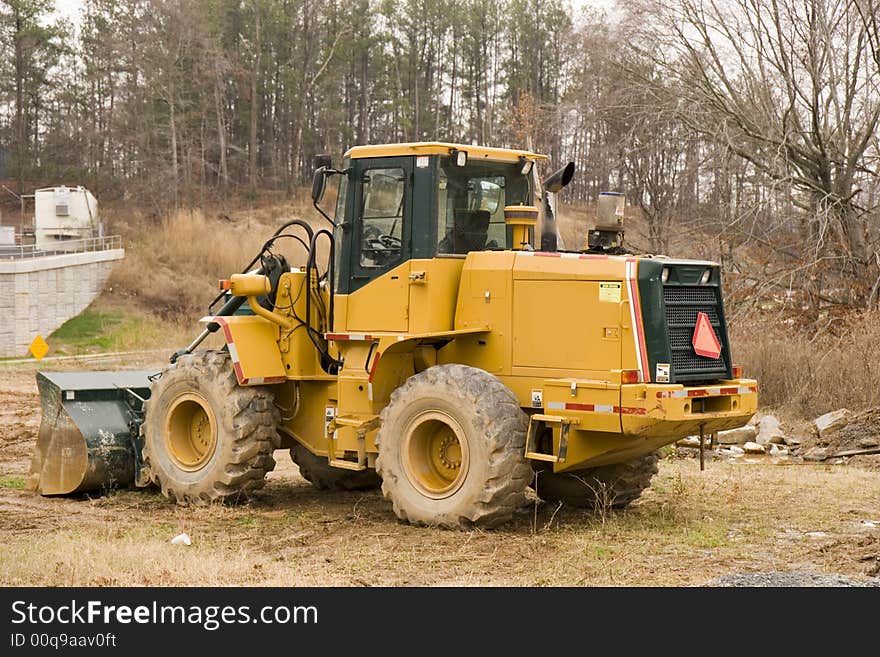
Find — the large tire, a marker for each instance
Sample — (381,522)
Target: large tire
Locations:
(451,449)
(613,486)
(323,476)
(205,438)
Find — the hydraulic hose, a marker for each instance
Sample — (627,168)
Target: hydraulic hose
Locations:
(235,303)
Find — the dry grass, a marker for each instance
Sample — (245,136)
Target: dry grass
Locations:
(811,374)
(172,264)
(688,529)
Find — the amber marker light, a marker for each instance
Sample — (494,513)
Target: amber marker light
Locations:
(629,376)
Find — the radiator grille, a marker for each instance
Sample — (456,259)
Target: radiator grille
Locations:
(683,303)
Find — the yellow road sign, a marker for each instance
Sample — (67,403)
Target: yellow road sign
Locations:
(39,348)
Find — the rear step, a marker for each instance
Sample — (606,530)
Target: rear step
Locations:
(539,421)
(88,437)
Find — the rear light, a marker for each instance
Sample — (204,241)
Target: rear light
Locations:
(737,371)
(629,376)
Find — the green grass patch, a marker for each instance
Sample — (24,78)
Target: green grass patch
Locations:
(98,331)
(706,534)
(88,330)
(12,481)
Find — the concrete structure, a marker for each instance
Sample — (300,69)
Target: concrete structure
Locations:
(63,215)
(40,291)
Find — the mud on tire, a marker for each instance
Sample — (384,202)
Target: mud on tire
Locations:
(451,449)
(200,390)
(614,486)
(323,476)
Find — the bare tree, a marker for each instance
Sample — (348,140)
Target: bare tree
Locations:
(788,85)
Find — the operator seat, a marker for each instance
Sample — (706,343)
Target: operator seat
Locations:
(470,230)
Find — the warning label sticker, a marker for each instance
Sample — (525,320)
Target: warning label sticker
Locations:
(662,375)
(329,416)
(537,399)
(609,291)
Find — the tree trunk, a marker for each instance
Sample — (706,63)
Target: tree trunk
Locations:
(255,104)
(221,128)
(853,231)
(19,98)
(174,164)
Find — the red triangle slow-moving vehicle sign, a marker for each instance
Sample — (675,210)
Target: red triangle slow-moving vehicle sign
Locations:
(705,341)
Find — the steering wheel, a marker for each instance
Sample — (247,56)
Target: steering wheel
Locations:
(389,242)
(383,249)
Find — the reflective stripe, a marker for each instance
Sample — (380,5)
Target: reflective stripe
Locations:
(596,408)
(709,392)
(341,337)
(233,351)
(635,318)
(373,368)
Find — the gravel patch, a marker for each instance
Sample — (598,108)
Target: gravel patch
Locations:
(790,579)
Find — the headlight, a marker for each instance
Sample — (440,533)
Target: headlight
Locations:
(706,275)
(664,276)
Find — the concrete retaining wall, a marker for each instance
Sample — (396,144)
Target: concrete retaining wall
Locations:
(37,295)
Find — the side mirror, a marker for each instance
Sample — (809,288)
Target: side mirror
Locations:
(322,160)
(319,184)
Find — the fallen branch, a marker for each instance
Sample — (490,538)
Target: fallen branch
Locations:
(854,452)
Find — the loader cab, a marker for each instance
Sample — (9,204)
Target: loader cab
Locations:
(415,201)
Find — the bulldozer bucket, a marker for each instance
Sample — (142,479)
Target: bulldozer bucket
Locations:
(88,436)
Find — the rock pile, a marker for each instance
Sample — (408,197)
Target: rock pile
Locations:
(762,435)
(842,434)
(836,436)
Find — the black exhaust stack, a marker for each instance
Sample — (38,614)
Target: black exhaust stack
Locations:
(552,184)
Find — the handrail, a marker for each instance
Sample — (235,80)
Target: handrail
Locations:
(84,245)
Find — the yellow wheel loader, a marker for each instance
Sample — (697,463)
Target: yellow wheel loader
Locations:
(450,352)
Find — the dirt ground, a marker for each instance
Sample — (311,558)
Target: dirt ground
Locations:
(690,528)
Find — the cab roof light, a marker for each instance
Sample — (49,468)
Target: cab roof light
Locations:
(459,157)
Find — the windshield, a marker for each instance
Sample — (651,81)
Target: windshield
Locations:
(470,204)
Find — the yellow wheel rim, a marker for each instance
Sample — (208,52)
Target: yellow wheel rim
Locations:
(190,432)
(435,454)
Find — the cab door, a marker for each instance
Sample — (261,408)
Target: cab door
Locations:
(380,245)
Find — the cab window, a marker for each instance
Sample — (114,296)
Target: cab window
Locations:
(341,202)
(381,227)
(471,201)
